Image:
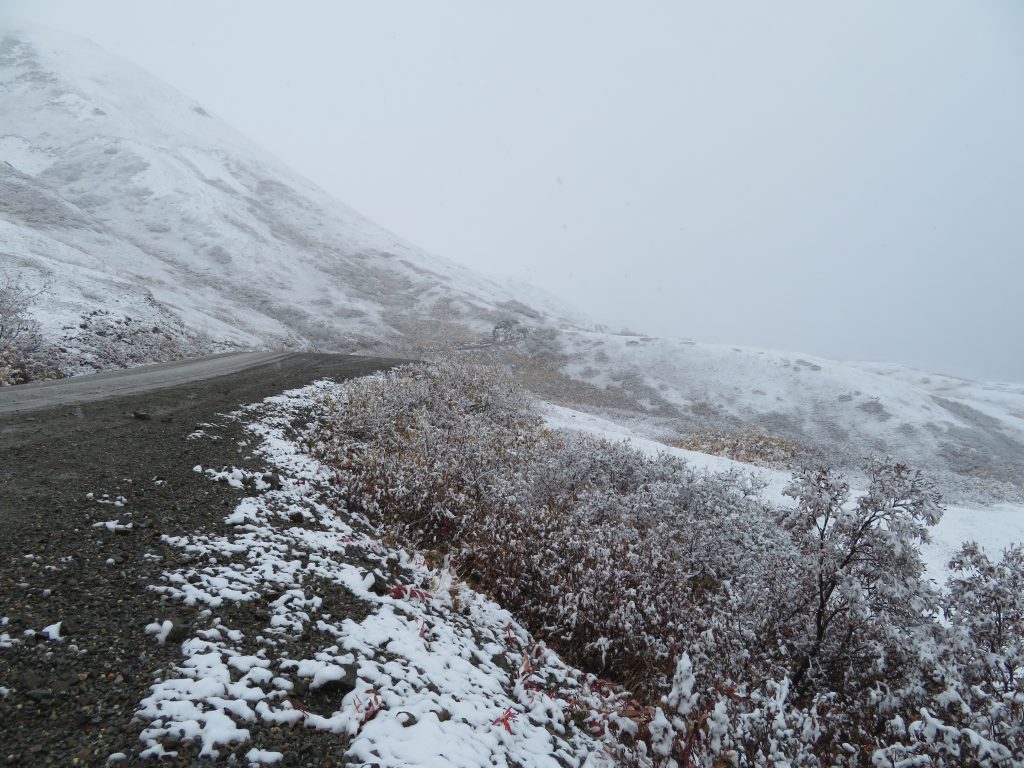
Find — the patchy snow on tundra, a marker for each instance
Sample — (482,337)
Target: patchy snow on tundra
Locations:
(424,671)
(751,631)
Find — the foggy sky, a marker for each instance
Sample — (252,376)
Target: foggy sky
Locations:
(841,178)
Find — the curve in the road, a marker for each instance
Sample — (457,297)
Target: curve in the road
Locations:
(83,389)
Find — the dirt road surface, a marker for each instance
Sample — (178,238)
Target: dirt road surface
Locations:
(103,448)
(101,386)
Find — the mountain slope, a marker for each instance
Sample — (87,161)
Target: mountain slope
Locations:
(119,191)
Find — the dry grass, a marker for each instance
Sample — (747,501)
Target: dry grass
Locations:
(756,448)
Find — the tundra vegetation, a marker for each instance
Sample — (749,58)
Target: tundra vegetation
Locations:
(98,340)
(749,447)
(748,634)
(21,343)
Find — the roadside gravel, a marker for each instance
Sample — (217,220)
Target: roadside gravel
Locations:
(72,479)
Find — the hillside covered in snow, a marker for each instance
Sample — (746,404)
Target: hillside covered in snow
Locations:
(968,434)
(118,193)
(148,229)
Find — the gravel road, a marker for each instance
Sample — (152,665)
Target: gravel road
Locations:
(125,457)
(100,386)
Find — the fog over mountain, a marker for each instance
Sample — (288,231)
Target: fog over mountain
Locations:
(844,178)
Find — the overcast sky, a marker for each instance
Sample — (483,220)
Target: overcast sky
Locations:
(843,178)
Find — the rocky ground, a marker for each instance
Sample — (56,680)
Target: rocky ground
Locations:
(74,658)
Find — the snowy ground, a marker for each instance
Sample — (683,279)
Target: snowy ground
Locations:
(993,526)
(968,435)
(434,674)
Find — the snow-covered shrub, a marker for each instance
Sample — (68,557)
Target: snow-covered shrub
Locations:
(104,339)
(430,450)
(618,559)
(751,635)
(862,587)
(866,673)
(985,608)
(98,340)
(23,355)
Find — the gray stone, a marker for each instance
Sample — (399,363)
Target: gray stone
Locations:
(340,687)
(179,631)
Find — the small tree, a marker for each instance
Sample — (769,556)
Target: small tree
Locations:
(864,592)
(15,302)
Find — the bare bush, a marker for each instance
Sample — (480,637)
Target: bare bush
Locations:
(104,339)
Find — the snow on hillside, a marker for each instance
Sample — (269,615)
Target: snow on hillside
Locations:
(967,433)
(117,191)
(1002,401)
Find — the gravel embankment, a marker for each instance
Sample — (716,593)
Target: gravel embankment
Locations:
(71,701)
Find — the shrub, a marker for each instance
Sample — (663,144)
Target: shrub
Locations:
(861,582)
(752,635)
(985,608)
(616,558)
(749,447)
(22,352)
(103,339)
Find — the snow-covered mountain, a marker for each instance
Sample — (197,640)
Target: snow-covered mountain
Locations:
(157,229)
(116,191)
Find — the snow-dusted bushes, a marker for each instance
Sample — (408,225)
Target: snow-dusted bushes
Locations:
(602,550)
(22,351)
(98,340)
(984,605)
(752,635)
(431,451)
(749,447)
(861,590)
(104,340)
